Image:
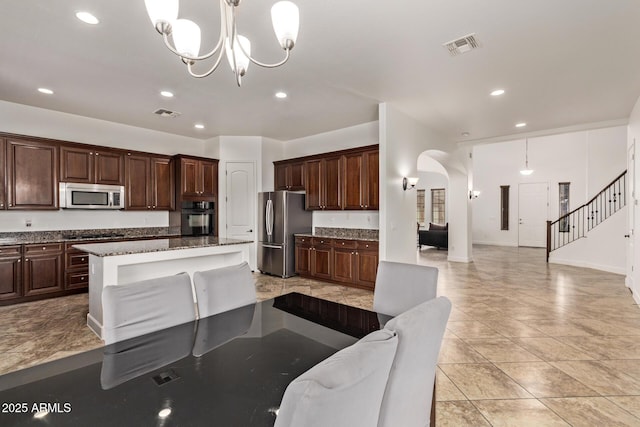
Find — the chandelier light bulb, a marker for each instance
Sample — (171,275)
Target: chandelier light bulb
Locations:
(160,11)
(186,37)
(242,61)
(285,17)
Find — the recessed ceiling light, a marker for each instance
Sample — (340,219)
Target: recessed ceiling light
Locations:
(497,92)
(87,18)
(281,95)
(45,90)
(465,134)
(198,126)
(166,94)
(521,125)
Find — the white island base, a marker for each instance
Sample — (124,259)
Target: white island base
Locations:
(113,269)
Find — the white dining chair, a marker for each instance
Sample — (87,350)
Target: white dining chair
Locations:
(135,309)
(344,390)
(224,289)
(409,392)
(401,286)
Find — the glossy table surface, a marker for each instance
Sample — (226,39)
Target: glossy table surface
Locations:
(229,370)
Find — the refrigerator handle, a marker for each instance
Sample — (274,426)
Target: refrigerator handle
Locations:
(268,217)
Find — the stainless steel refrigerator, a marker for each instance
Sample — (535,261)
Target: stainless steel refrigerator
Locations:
(281,214)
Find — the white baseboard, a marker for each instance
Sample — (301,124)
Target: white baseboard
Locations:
(488,242)
(585,264)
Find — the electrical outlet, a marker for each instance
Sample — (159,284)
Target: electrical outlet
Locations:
(27,222)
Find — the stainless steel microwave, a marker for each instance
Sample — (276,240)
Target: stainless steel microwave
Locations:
(91,196)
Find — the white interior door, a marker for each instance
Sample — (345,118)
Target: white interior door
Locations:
(631,213)
(533,202)
(241,200)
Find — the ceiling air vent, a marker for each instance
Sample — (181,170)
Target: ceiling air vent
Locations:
(462,45)
(166,113)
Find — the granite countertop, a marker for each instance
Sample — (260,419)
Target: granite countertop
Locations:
(344,233)
(63,236)
(156,245)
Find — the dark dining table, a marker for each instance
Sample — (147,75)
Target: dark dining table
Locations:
(230,369)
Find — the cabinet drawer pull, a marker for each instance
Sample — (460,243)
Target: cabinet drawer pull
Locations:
(44,248)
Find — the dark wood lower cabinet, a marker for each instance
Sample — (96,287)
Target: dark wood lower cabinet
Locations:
(10,272)
(348,262)
(43,269)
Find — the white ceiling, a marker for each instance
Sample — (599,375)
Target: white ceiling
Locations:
(562,63)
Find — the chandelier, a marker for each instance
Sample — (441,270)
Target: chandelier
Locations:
(526,171)
(185,35)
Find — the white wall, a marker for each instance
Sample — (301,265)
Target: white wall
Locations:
(341,139)
(402,140)
(610,253)
(272,150)
(633,243)
(588,160)
(32,121)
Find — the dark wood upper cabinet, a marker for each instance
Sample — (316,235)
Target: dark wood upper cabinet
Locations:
(209,172)
(289,175)
(150,183)
(162,183)
(91,165)
(137,187)
(32,174)
(323,181)
(198,178)
(372,192)
(346,179)
(361,183)
(3,163)
(313,177)
(109,167)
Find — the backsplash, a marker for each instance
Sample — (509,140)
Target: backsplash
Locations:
(347,233)
(64,235)
(79,219)
(347,219)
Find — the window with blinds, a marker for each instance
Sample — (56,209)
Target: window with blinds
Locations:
(420,207)
(437,206)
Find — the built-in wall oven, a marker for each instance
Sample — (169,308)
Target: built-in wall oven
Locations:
(197,219)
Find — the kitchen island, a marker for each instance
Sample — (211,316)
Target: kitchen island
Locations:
(120,263)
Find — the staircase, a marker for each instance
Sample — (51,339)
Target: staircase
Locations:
(577,223)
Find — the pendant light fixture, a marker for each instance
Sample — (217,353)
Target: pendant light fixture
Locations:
(526,171)
(185,35)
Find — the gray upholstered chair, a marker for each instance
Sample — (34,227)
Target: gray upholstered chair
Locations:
(224,289)
(344,390)
(140,308)
(409,392)
(401,286)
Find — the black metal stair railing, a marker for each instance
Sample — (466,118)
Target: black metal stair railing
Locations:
(574,225)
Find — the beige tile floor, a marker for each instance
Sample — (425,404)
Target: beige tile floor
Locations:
(527,344)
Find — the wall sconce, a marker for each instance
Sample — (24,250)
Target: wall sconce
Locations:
(409,183)
(473,194)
